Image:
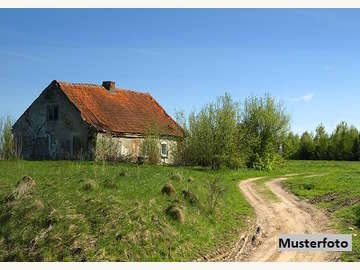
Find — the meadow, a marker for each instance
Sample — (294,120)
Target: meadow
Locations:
(95,211)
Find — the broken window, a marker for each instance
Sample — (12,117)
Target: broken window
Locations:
(52,112)
(164,149)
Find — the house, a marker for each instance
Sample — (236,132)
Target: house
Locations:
(75,120)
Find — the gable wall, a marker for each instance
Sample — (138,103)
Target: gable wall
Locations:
(42,139)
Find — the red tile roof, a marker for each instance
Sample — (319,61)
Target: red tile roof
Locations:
(119,112)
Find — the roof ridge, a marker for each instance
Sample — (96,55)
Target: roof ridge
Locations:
(100,86)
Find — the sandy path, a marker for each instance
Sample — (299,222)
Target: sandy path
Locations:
(287,215)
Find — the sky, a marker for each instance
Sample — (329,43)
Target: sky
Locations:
(309,59)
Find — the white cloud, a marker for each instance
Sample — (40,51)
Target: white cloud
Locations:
(304,98)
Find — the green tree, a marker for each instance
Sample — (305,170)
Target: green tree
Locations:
(307,146)
(8,148)
(342,142)
(263,128)
(291,146)
(321,141)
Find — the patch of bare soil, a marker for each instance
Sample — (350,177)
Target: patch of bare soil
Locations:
(287,215)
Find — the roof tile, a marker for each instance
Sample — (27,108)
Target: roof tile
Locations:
(119,112)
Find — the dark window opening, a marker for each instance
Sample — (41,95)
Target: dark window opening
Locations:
(164,150)
(52,112)
(77,146)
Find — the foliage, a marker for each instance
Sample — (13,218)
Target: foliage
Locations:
(291,146)
(8,148)
(223,135)
(150,146)
(215,190)
(263,127)
(108,148)
(342,144)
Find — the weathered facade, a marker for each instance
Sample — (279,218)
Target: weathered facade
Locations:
(76,121)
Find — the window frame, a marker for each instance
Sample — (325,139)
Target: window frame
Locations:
(164,155)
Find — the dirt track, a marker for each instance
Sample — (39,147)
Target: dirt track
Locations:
(286,215)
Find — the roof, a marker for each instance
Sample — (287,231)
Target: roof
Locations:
(119,112)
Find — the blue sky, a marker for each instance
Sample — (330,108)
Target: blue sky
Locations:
(307,58)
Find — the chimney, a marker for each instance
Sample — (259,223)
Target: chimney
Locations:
(109,85)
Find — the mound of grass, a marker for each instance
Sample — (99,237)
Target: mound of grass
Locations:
(176,212)
(177,176)
(82,211)
(110,183)
(90,185)
(168,189)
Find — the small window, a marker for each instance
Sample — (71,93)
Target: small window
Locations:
(164,149)
(52,112)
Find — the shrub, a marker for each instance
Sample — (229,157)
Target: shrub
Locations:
(308,186)
(268,162)
(150,146)
(108,148)
(215,190)
(9,150)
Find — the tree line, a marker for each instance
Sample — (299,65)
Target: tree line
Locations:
(341,144)
(254,133)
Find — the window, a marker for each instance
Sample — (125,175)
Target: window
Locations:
(164,149)
(52,112)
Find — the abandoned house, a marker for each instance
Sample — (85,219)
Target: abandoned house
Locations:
(88,121)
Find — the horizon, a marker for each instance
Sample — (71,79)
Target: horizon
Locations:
(308,59)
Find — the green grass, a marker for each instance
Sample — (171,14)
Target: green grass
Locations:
(88,211)
(92,211)
(336,190)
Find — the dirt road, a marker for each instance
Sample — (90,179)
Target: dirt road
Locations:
(285,215)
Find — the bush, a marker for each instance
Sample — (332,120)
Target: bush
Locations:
(222,135)
(9,150)
(215,190)
(150,146)
(108,148)
(267,162)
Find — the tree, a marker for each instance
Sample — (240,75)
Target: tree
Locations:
(291,146)
(321,142)
(263,128)
(8,148)
(307,146)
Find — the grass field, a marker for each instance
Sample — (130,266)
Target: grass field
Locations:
(336,189)
(92,211)
(87,211)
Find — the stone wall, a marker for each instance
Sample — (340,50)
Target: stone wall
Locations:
(127,148)
(68,137)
